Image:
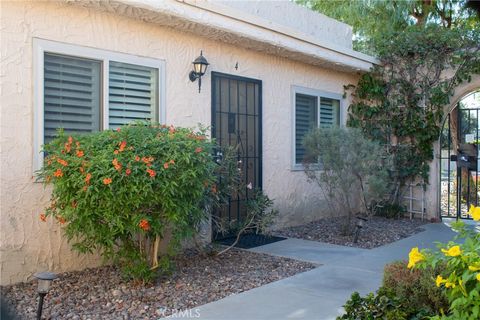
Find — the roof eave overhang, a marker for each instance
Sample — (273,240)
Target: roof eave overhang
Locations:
(222,23)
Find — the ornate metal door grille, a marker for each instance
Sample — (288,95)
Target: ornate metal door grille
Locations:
(459,187)
(237,121)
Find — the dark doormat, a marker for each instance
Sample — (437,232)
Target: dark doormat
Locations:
(250,240)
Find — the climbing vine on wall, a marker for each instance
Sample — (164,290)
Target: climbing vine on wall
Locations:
(400,102)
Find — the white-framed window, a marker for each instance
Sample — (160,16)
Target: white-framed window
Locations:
(83,89)
(312,108)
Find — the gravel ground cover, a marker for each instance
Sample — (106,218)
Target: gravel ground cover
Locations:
(377,231)
(101,293)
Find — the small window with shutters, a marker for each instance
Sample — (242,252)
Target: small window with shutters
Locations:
(132,93)
(306,118)
(82,90)
(329,112)
(71,95)
(312,109)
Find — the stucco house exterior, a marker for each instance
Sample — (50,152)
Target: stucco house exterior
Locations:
(63,63)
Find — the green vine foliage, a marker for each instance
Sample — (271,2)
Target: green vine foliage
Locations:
(401,101)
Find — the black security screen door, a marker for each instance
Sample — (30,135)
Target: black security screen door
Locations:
(237,122)
(459,184)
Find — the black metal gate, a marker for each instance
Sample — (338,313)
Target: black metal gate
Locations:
(459,185)
(237,122)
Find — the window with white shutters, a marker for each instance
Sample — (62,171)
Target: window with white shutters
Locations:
(312,110)
(305,119)
(329,113)
(81,90)
(71,95)
(132,93)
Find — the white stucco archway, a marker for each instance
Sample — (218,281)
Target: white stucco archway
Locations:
(432,193)
(461,91)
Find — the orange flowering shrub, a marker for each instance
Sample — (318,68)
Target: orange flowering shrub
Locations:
(117,191)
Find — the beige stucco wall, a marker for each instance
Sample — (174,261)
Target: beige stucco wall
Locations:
(28,245)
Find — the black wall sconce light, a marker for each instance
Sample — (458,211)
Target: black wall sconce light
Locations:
(199,68)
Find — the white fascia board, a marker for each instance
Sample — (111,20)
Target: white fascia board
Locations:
(268,36)
(275,27)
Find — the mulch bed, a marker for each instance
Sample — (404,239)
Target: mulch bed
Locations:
(251,240)
(101,293)
(376,232)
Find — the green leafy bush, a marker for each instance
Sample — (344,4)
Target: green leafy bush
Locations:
(404,295)
(260,213)
(259,217)
(460,280)
(352,168)
(441,284)
(228,176)
(415,287)
(120,192)
(231,183)
(383,305)
(390,210)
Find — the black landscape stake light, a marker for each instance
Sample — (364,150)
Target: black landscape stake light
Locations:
(358,227)
(199,68)
(44,281)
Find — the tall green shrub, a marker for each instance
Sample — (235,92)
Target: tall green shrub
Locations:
(120,192)
(347,167)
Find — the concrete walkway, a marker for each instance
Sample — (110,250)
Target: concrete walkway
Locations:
(320,293)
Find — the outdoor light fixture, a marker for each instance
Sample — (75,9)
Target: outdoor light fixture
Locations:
(199,68)
(358,227)
(44,281)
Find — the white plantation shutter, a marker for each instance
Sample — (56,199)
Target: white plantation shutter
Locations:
(305,119)
(329,113)
(133,93)
(71,95)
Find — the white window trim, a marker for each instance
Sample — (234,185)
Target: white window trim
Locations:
(319,94)
(40,46)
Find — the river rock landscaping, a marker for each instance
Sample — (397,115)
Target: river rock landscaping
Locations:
(376,232)
(101,293)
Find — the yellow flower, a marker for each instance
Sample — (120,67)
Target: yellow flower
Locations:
(440,280)
(453,251)
(472,268)
(449,284)
(414,257)
(474,212)
(478,276)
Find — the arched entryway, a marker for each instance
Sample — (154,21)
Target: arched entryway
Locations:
(459,157)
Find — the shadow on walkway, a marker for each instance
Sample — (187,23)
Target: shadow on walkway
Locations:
(320,293)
